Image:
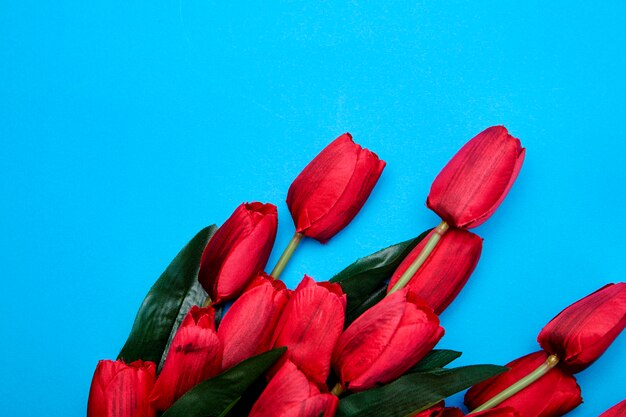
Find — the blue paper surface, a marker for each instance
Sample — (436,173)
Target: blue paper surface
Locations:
(126,126)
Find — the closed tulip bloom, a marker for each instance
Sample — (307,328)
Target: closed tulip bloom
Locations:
(332,188)
(248,326)
(579,334)
(446,270)
(121,390)
(475,181)
(618,410)
(238,251)
(310,326)
(552,395)
(290,394)
(385,341)
(195,354)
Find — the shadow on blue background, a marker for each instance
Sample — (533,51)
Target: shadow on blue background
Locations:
(128,126)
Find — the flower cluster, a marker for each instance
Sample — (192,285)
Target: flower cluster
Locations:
(340,348)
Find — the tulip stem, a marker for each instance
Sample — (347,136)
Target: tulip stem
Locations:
(439,231)
(284,258)
(207,302)
(337,389)
(543,369)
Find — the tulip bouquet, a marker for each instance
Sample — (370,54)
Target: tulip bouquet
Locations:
(218,336)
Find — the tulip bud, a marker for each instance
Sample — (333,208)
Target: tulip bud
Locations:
(247,328)
(290,394)
(310,326)
(121,390)
(582,332)
(446,270)
(618,410)
(195,354)
(475,181)
(552,395)
(385,341)
(332,188)
(238,251)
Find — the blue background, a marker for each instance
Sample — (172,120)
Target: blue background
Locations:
(126,126)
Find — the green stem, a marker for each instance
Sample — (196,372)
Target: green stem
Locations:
(284,258)
(207,302)
(337,390)
(421,258)
(543,369)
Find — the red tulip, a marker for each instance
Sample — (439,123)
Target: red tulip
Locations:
(195,354)
(385,341)
(247,328)
(238,251)
(618,410)
(552,395)
(446,270)
(121,390)
(475,181)
(310,326)
(579,334)
(290,394)
(331,190)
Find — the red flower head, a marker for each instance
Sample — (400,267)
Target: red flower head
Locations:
(310,326)
(121,390)
(582,332)
(552,395)
(194,355)
(385,341)
(446,270)
(249,324)
(331,190)
(475,181)
(290,394)
(618,410)
(238,251)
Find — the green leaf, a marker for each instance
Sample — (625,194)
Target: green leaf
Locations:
(415,392)
(437,358)
(215,397)
(169,299)
(364,280)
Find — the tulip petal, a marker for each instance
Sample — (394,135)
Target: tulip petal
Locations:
(248,326)
(386,341)
(288,387)
(310,326)
(238,250)
(446,270)
(194,355)
(476,180)
(120,389)
(583,331)
(552,395)
(332,188)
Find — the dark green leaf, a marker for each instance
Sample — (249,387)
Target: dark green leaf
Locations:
(217,396)
(364,280)
(168,300)
(437,358)
(414,392)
